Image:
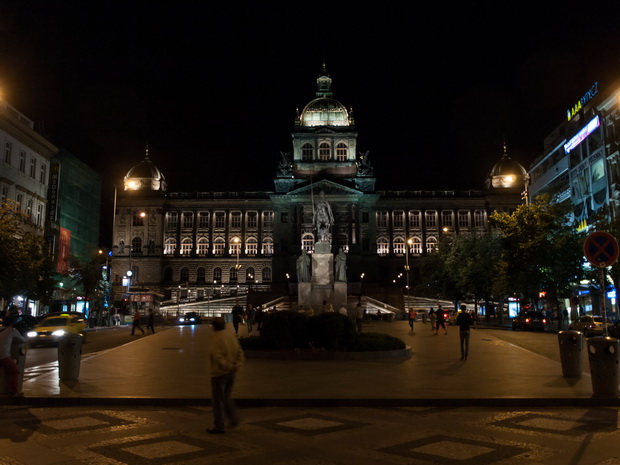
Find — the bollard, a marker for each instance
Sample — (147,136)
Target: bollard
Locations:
(571,353)
(69,357)
(603,355)
(18,352)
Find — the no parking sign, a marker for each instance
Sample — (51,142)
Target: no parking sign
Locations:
(601,249)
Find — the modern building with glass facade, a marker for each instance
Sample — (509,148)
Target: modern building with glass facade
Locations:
(204,243)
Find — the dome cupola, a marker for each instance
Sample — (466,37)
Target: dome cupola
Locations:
(506,174)
(324,110)
(144,176)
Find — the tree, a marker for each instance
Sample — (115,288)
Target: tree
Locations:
(541,251)
(26,266)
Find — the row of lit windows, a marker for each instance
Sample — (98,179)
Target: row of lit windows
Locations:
(217,275)
(463,219)
(31,208)
(21,162)
(399,246)
(219,246)
(325,152)
(219,219)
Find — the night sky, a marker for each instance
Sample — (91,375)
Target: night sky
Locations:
(213,89)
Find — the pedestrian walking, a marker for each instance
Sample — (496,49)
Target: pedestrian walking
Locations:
(225,359)
(151,321)
(441,321)
(136,322)
(258,318)
(250,314)
(412,317)
(464,321)
(433,318)
(359,316)
(8,334)
(237,316)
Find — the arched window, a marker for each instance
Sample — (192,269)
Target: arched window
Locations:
(186,246)
(203,246)
(307,243)
(136,245)
(235,246)
(184,278)
(251,246)
(167,274)
(250,275)
(416,246)
(218,246)
(324,151)
(268,246)
(234,275)
(217,274)
(307,152)
(200,275)
(431,244)
(341,152)
(170,246)
(383,246)
(266,275)
(399,246)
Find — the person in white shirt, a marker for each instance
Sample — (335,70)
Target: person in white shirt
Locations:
(8,334)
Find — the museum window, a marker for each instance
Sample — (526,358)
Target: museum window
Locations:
(188,220)
(431,244)
(233,275)
(479,219)
(268,219)
(341,152)
(203,246)
(416,246)
(220,220)
(382,219)
(268,246)
(399,246)
(186,246)
(383,246)
(250,275)
(307,152)
(324,151)
(446,219)
(8,151)
(365,217)
(172,219)
(184,275)
(217,274)
(170,246)
(200,275)
(203,220)
(136,245)
(415,219)
(431,219)
(266,275)
(218,246)
(463,219)
(251,246)
(307,243)
(398,217)
(252,218)
(235,220)
(235,246)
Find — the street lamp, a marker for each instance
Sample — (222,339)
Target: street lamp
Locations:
(407,268)
(237,249)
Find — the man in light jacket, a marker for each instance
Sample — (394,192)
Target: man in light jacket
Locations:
(8,334)
(225,359)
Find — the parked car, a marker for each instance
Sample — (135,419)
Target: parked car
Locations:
(190,318)
(589,325)
(53,327)
(530,320)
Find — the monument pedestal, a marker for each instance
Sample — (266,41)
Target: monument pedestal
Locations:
(322,286)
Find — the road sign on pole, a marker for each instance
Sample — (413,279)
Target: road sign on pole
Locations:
(601,249)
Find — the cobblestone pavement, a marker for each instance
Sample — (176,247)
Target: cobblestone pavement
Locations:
(313,436)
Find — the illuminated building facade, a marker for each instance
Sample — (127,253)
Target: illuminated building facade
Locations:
(203,243)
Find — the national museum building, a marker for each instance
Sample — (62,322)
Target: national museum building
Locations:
(199,244)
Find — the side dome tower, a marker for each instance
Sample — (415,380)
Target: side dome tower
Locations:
(507,174)
(145,176)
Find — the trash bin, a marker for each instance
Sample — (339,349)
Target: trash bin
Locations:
(603,355)
(18,352)
(69,357)
(571,353)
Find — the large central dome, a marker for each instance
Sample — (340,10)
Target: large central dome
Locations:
(325,112)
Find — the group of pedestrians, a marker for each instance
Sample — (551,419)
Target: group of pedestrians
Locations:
(135,324)
(249,316)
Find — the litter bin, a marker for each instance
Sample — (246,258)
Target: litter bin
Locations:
(571,353)
(18,352)
(69,357)
(603,355)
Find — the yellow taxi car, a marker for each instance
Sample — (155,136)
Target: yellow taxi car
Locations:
(52,327)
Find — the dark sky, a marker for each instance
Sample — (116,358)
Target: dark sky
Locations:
(214,88)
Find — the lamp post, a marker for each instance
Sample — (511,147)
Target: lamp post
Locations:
(407,268)
(237,249)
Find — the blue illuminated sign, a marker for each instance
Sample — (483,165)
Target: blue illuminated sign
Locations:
(581,135)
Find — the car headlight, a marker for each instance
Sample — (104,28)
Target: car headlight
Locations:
(59,332)
(31,334)
(192,319)
(181,320)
